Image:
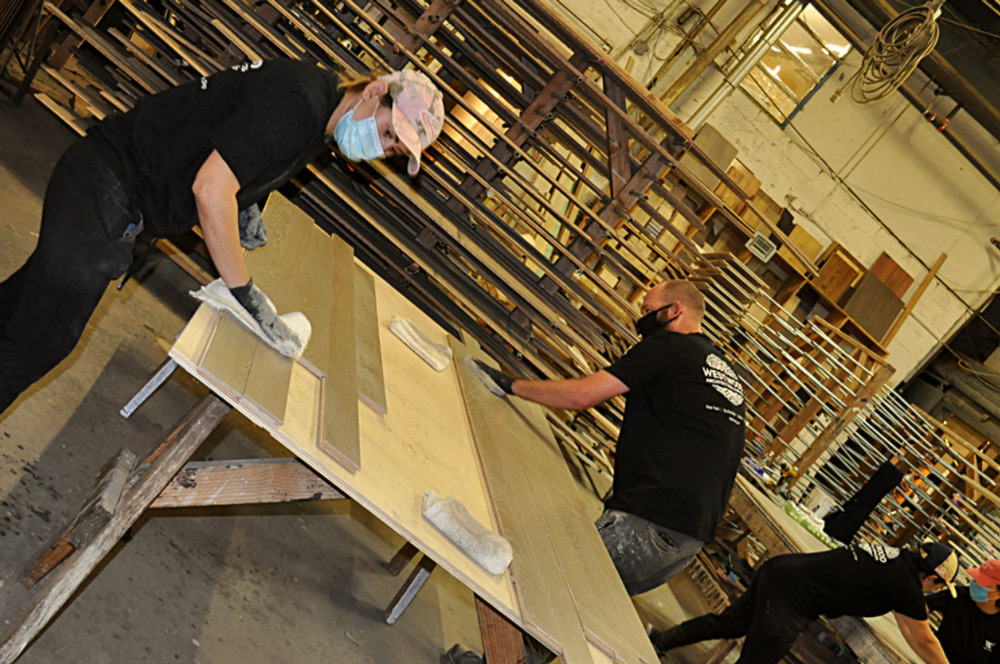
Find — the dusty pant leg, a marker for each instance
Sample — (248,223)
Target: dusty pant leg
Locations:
(732,623)
(645,554)
(48,303)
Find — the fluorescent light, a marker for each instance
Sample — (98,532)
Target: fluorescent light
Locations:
(838,49)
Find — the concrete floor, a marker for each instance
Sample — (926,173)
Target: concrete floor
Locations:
(295,583)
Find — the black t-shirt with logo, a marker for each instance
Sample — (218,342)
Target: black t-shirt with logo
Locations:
(682,436)
(967,635)
(267,120)
(863,580)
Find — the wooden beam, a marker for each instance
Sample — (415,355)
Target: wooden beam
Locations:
(244,482)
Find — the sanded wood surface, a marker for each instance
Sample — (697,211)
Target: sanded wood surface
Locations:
(566,582)
(340,397)
(423,442)
(371,385)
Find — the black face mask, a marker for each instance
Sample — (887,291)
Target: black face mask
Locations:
(648,323)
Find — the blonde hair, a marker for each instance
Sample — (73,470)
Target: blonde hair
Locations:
(354,82)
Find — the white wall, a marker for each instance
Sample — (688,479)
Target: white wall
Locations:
(924,197)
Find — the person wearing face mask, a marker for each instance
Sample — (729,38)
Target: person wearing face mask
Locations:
(970,619)
(681,438)
(201,153)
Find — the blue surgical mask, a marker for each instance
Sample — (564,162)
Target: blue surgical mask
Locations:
(978,593)
(358,140)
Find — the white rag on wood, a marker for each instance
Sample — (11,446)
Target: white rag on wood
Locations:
(217,296)
(489,550)
(434,354)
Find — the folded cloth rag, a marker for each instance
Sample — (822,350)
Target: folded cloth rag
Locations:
(489,550)
(434,354)
(217,296)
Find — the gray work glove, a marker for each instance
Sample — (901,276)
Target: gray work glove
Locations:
(262,310)
(253,232)
(503,380)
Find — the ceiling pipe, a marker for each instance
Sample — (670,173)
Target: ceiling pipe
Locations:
(743,68)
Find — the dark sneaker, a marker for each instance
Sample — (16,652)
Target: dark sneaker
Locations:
(456,655)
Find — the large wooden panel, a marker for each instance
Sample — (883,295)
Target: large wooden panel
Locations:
(542,511)
(873,306)
(836,276)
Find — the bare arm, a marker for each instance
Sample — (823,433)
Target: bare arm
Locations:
(214,190)
(920,637)
(571,394)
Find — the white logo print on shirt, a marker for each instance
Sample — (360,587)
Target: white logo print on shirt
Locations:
(988,647)
(723,379)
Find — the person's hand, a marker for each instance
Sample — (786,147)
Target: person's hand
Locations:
(503,380)
(253,232)
(262,310)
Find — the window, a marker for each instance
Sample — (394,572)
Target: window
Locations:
(805,54)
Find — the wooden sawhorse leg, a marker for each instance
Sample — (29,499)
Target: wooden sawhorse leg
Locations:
(145,484)
(503,641)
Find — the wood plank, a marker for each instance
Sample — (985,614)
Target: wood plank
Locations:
(873,306)
(267,383)
(341,430)
(229,356)
(244,482)
(888,271)
(500,432)
(371,383)
(605,611)
(502,642)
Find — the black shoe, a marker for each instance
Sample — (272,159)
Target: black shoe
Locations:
(456,655)
(661,644)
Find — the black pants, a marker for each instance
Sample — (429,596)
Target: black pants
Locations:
(762,614)
(85,241)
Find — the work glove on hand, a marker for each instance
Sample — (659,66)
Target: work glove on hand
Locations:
(253,232)
(262,310)
(503,380)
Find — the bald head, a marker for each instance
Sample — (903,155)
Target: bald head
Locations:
(687,305)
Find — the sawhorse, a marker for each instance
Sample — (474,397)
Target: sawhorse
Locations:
(165,478)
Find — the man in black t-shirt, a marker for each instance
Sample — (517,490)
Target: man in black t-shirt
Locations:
(201,153)
(681,438)
(788,591)
(970,620)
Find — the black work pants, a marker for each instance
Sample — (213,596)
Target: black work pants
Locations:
(85,240)
(762,614)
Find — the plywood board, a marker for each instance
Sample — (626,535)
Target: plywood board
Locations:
(422,442)
(889,273)
(836,276)
(873,306)
(371,385)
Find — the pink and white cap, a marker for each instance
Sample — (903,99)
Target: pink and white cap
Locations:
(417,112)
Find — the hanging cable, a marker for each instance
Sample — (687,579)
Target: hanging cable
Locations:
(897,50)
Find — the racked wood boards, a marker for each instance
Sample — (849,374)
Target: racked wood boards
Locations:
(566,583)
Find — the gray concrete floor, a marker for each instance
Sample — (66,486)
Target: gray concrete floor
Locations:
(293,583)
